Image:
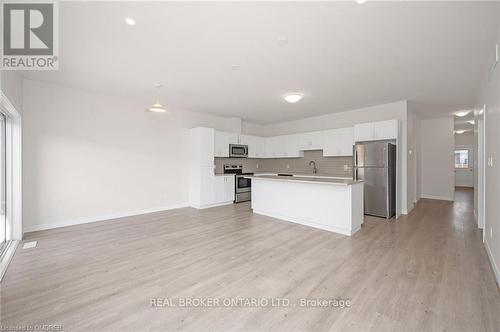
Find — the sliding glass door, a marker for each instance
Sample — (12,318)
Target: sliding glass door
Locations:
(3,187)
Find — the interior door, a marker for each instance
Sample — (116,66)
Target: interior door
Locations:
(464,167)
(3,187)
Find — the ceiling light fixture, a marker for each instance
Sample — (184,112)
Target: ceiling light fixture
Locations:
(157,107)
(471,122)
(360,2)
(459,131)
(130,21)
(462,113)
(292,97)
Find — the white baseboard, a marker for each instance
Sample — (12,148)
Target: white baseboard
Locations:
(79,221)
(308,223)
(492,261)
(201,207)
(440,198)
(7,256)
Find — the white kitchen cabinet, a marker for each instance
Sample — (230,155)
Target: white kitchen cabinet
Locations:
(292,149)
(222,141)
(282,146)
(202,147)
(338,142)
(374,131)
(260,149)
(311,141)
(206,189)
(229,187)
(275,147)
(364,132)
(346,141)
(256,145)
(386,129)
(222,189)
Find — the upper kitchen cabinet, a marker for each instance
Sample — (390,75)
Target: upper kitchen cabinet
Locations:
(275,147)
(256,145)
(374,131)
(222,141)
(338,142)
(292,146)
(386,129)
(364,132)
(202,147)
(283,147)
(311,141)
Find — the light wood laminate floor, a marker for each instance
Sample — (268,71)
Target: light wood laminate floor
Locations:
(425,272)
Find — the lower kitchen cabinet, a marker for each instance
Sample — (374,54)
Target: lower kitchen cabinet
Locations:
(223,189)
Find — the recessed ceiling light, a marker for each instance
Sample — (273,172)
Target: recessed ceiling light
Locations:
(292,97)
(462,113)
(459,131)
(471,122)
(130,21)
(360,2)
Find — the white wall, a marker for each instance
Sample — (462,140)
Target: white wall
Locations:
(397,110)
(465,139)
(418,158)
(490,95)
(89,156)
(437,146)
(11,83)
(412,158)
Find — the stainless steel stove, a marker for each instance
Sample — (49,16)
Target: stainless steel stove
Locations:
(243,185)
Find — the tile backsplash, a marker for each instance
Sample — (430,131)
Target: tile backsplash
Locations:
(332,166)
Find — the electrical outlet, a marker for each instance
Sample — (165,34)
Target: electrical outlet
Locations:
(491,232)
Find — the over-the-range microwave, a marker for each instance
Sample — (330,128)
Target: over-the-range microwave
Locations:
(238,151)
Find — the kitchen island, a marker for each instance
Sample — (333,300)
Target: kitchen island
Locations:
(331,204)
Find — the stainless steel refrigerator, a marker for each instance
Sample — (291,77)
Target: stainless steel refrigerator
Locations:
(375,164)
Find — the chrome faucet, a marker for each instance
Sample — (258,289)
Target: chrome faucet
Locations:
(313,164)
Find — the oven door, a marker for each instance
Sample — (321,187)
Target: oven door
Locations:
(243,184)
(238,151)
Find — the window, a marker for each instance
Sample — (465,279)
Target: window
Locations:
(461,158)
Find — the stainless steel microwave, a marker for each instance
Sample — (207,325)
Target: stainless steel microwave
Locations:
(238,151)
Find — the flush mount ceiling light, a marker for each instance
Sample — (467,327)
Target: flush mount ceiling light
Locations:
(157,107)
(471,122)
(130,21)
(360,2)
(292,97)
(462,113)
(459,131)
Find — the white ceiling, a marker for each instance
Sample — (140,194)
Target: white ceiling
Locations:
(339,54)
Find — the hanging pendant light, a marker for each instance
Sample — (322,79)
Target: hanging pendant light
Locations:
(157,107)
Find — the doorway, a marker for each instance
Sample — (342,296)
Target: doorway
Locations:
(3,184)
(464,166)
